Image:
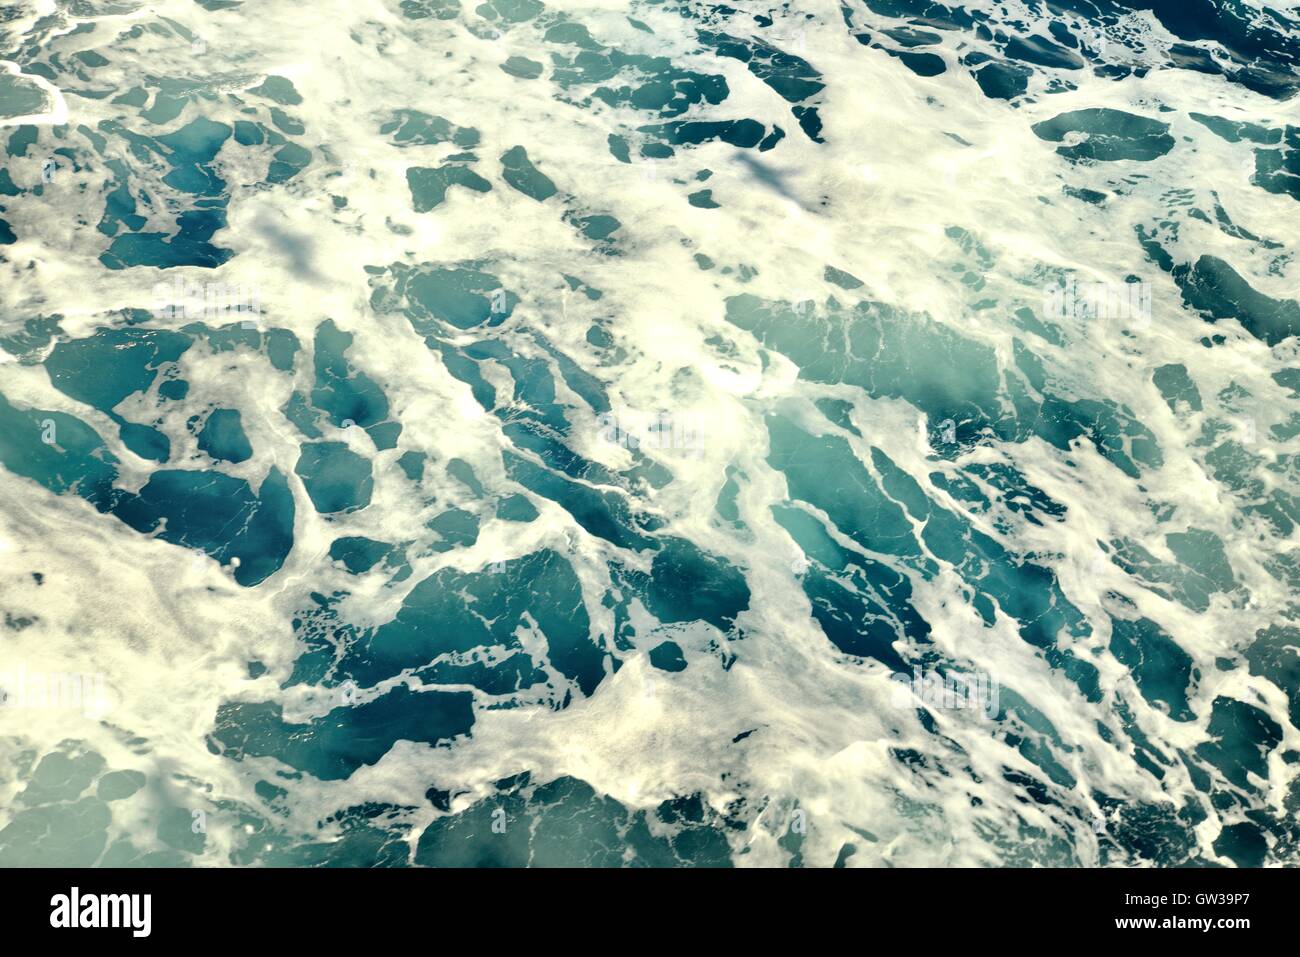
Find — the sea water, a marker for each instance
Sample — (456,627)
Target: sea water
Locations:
(649,433)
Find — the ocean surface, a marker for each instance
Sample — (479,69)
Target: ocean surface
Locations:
(632,433)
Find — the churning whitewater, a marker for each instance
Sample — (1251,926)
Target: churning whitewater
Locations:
(647,433)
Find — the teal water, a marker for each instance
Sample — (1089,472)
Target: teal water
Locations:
(545,434)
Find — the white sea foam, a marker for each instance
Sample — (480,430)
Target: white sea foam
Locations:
(172,634)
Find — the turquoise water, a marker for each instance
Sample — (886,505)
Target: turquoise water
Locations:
(536,434)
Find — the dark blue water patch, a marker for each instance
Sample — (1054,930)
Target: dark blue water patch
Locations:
(190,150)
(910,37)
(599,227)
(463,472)
(429,186)
(462,296)
(53,821)
(516,508)
(1263,43)
(281,347)
(1048,331)
(336,478)
(58,451)
(1161,669)
(1018,493)
(863,606)
(344,393)
(518,170)
(855,503)
(539,439)
(861,509)
(522,68)
(146,441)
(1090,196)
(1236,131)
(248,134)
(120,205)
(227,338)
(413,128)
(726,505)
(667,656)
(1109,135)
(566,823)
(1258,50)
(189,247)
(603,513)
(1278,171)
(792,77)
(278,89)
(1244,844)
(568,32)
(223,438)
(959,385)
(688,584)
(29,341)
(358,553)
(1040,51)
(165,107)
(1242,737)
(660,87)
(1139,831)
(412,465)
(841,278)
(287,162)
(304,417)
(1200,570)
(333,746)
(455,528)
(1275,655)
(586,385)
(1176,387)
(21,138)
(286,123)
(745,133)
(998,79)
(1185,57)
(1216,290)
(104,368)
(218,514)
(453,612)
(664,89)
(921,63)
